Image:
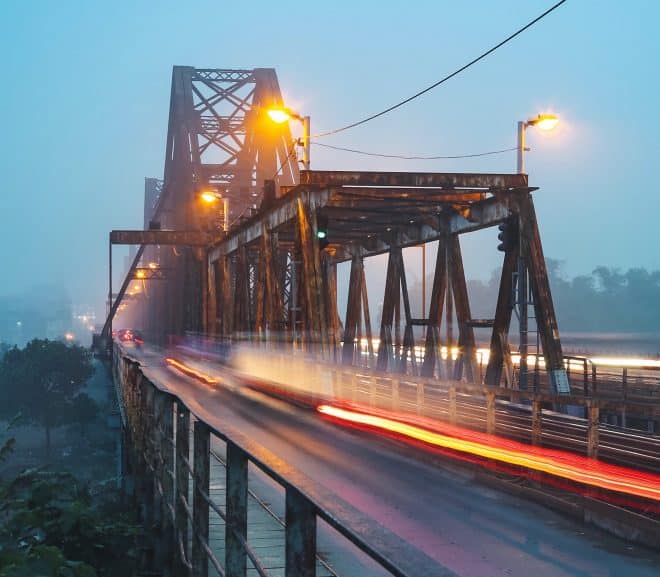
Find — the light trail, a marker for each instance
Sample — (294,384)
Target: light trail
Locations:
(557,463)
(189,371)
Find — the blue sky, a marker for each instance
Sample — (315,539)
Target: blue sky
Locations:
(84,105)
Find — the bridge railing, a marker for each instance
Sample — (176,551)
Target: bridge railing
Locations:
(172,483)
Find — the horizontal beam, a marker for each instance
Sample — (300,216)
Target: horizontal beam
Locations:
(166,237)
(326,178)
(284,211)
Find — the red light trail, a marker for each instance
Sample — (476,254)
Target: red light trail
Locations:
(575,468)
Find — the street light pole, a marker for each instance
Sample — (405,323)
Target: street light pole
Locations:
(306,141)
(521,147)
(544,122)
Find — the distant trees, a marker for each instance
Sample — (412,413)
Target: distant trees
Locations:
(42,382)
(607,300)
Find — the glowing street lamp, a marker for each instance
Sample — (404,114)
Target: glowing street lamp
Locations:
(544,122)
(208,197)
(280,115)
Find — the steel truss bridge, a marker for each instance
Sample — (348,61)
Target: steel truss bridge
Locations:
(260,265)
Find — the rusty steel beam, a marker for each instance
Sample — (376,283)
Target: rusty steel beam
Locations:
(483,214)
(162,237)
(326,178)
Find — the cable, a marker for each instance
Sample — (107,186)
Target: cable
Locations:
(441,81)
(290,154)
(415,157)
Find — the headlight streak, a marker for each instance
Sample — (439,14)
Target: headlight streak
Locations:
(189,371)
(575,468)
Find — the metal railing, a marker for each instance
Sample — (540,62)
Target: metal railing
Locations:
(159,426)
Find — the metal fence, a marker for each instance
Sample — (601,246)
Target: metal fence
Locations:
(172,484)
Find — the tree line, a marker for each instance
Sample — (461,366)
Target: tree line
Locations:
(607,300)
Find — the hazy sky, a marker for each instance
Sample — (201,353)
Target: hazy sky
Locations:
(85,95)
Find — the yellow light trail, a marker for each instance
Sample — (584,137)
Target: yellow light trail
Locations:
(186,370)
(573,467)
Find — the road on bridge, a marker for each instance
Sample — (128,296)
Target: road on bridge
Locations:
(472,529)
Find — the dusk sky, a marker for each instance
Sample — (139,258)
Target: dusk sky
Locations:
(86,88)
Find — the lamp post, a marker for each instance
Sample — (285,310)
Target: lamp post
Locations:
(544,122)
(280,115)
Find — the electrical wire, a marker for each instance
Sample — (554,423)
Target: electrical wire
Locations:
(291,154)
(442,80)
(404,157)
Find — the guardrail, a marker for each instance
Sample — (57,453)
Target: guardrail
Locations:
(158,424)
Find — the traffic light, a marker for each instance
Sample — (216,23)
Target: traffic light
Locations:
(508,235)
(322,231)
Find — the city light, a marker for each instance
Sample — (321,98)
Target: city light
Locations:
(140,274)
(69,336)
(153,265)
(279,115)
(544,121)
(208,197)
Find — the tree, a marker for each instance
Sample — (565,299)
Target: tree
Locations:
(84,411)
(53,525)
(42,380)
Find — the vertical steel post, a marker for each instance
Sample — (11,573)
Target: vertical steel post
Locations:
(300,536)
(167,480)
(182,483)
(593,416)
(490,413)
(452,404)
(236,507)
(522,320)
(536,421)
(202,478)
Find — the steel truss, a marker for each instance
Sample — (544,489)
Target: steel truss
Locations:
(285,283)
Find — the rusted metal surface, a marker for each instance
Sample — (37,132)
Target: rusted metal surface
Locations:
(417,179)
(201,469)
(236,522)
(161,237)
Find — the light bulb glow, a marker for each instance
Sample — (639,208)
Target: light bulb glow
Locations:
(208,197)
(545,121)
(279,115)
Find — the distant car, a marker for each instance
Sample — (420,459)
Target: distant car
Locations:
(130,336)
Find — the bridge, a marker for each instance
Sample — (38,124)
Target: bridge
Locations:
(253,387)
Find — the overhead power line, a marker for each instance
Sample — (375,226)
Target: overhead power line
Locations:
(442,80)
(404,157)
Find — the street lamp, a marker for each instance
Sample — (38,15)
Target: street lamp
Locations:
(544,122)
(280,115)
(208,197)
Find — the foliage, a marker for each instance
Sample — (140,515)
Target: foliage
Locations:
(83,412)
(607,300)
(42,381)
(52,525)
